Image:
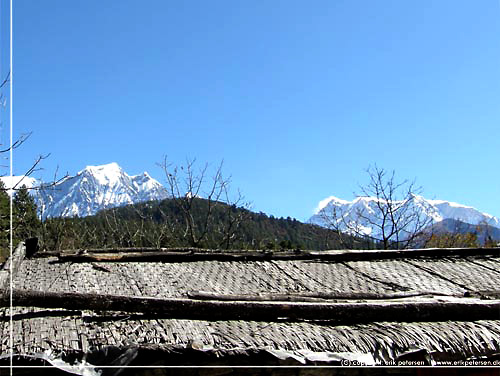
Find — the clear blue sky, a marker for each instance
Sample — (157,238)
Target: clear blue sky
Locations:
(297,97)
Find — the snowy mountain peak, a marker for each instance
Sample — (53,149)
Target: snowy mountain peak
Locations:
(17,182)
(98,187)
(106,168)
(332,200)
(104,174)
(364,211)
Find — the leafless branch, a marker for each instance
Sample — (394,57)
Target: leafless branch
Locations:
(5,81)
(17,143)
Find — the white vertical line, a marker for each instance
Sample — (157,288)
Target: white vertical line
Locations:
(11,196)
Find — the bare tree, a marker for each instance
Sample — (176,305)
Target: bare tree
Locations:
(198,196)
(485,232)
(392,217)
(348,234)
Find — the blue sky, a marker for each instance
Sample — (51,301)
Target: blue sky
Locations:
(297,97)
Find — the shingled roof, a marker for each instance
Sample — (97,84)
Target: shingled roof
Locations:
(192,307)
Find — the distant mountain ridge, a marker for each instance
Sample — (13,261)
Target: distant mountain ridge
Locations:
(484,233)
(95,188)
(341,211)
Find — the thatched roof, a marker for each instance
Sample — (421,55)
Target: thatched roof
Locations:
(221,308)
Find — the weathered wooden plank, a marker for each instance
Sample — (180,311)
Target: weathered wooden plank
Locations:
(13,263)
(17,257)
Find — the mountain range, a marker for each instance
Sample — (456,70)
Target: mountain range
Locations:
(92,189)
(99,187)
(362,215)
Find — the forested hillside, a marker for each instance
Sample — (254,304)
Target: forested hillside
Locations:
(204,224)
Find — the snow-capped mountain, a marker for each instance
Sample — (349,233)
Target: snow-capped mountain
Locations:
(362,215)
(95,188)
(17,182)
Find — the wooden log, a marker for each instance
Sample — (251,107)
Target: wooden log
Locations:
(187,255)
(82,252)
(168,256)
(486,294)
(316,296)
(368,255)
(341,313)
(127,250)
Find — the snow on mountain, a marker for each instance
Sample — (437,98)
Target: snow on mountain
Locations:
(95,188)
(17,182)
(361,213)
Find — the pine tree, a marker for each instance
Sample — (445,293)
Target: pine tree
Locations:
(4,222)
(26,222)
